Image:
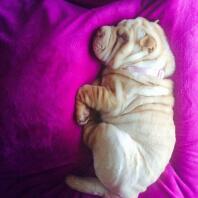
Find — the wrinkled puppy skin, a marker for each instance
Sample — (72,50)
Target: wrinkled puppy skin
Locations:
(134,140)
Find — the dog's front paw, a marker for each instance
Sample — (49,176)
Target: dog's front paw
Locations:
(82,114)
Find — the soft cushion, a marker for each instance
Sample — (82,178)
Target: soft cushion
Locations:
(45,56)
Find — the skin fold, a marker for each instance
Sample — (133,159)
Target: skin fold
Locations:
(133,140)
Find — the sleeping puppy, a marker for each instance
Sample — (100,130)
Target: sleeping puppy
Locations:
(133,142)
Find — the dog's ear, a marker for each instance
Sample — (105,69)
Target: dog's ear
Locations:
(148,42)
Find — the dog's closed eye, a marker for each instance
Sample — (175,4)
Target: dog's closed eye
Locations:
(123,35)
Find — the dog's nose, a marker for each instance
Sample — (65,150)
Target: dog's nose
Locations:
(101,32)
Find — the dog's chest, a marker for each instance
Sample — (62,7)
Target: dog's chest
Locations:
(139,115)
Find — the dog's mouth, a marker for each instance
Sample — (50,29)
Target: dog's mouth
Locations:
(101,42)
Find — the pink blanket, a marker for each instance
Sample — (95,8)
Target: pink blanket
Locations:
(45,56)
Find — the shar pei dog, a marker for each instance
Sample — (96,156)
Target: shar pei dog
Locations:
(134,138)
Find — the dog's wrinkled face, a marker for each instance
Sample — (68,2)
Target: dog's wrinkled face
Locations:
(134,43)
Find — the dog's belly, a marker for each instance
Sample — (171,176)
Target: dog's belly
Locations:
(135,150)
(118,162)
(153,130)
(144,126)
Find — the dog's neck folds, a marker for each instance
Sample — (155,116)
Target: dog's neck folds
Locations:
(159,73)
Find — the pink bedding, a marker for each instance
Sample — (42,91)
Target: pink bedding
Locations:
(45,56)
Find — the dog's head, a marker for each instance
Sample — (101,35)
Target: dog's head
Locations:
(135,43)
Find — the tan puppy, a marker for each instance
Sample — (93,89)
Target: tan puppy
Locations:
(134,140)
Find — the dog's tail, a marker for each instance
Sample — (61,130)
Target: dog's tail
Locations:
(89,185)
